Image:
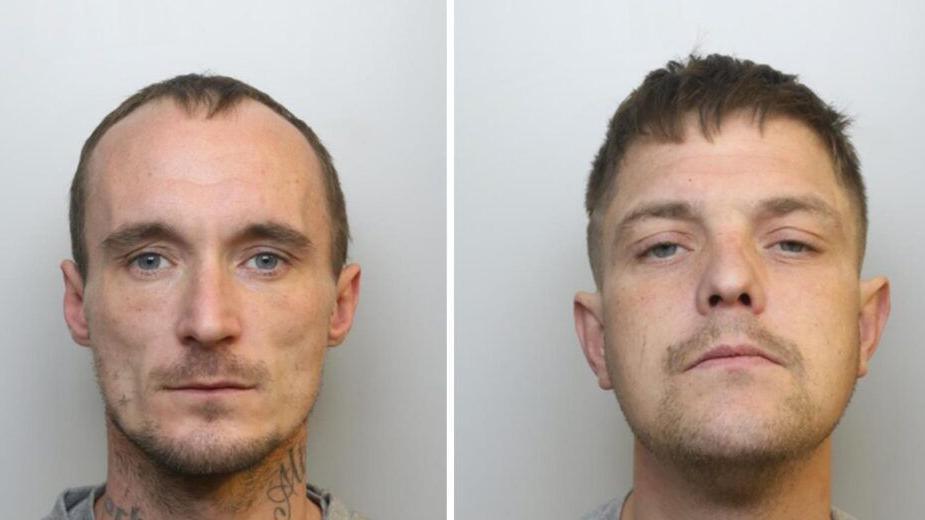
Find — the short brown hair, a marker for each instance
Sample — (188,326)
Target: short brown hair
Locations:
(215,94)
(712,88)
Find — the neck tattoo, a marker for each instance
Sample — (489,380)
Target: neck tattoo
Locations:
(284,485)
(113,510)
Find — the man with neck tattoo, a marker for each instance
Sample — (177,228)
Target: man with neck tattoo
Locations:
(209,277)
(727,227)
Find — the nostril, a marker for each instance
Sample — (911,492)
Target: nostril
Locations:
(714,300)
(745,299)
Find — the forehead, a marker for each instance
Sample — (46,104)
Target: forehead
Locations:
(161,162)
(741,163)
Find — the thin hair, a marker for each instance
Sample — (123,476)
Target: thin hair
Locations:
(215,95)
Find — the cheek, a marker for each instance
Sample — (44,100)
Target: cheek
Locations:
(294,325)
(817,309)
(645,317)
(820,316)
(637,338)
(123,327)
(289,317)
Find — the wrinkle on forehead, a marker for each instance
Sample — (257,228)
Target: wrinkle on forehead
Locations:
(247,164)
(744,153)
(215,211)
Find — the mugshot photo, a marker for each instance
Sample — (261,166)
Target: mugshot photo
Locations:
(236,214)
(681,237)
(470,260)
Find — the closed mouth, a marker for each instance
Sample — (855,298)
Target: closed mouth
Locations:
(211,387)
(728,351)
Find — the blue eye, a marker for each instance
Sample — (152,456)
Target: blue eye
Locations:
(792,246)
(264,261)
(663,250)
(148,261)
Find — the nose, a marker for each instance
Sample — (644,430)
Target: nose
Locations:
(209,313)
(732,279)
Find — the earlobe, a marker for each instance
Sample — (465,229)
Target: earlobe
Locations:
(589,325)
(74,313)
(875,310)
(348,296)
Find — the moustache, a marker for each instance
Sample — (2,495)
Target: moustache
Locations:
(208,364)
(682,354)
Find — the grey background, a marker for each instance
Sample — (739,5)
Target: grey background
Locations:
(370,77)
(535,84)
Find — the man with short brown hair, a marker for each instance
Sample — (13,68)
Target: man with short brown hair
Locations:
(209,278)
(727,223)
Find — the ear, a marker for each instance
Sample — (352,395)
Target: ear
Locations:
(589,325)
(74,303)
(348,295)
(875,309)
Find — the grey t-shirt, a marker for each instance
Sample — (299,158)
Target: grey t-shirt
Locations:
(77,504)
(611,511)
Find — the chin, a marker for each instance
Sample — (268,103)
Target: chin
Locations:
(736,435)
(212,447)
(740,444)
(210,450)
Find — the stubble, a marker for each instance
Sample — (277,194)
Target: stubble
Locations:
(732,455)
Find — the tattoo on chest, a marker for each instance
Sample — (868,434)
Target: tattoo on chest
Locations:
(116,511)
(285,483)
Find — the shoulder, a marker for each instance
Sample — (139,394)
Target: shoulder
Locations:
(75,503)
(339,511)
(331,507)
(838,514)
(608,511)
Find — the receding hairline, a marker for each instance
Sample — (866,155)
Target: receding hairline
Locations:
(218,94)
(161,107)
(165,109)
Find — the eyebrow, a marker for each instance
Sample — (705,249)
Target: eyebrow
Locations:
(132,235)
(281,234)
(128,237)
(780,206)
(673,210)
(767,208)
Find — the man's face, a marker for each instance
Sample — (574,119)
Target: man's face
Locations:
(209,301)
(745,246)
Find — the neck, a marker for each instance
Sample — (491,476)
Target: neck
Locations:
(137,487)
(790,489)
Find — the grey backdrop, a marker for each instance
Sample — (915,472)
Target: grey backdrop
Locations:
(370,77)
(535,85)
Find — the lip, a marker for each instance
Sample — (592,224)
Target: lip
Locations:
(211,387)
(738,355)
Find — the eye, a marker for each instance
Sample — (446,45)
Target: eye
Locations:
(793,246)
(149,261)
(264,262)
(662,250)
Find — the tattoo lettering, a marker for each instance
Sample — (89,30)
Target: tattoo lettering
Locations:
(291,472)
(116,512)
